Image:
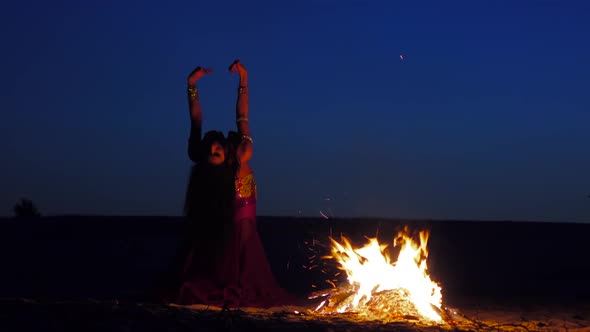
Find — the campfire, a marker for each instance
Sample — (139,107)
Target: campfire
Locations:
(379,288)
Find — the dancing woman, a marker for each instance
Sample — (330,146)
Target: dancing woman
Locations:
(224,260)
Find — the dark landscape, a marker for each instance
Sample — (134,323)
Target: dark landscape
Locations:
(76,265)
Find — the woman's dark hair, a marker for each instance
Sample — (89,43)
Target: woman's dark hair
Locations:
(230,145)
(211,190)
(231,150)
(213,136)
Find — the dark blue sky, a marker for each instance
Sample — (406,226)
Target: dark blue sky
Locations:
(487,117)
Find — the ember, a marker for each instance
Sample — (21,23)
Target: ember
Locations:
(381,289)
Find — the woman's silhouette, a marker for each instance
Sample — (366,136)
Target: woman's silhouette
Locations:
(222,261)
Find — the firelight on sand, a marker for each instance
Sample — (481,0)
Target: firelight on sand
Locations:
(372,276)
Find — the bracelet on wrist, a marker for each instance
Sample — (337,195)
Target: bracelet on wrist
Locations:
(192,93)
(248,138)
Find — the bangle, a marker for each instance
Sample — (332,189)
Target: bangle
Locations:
(242,90)
(243,118)
(248,138)
(192,93)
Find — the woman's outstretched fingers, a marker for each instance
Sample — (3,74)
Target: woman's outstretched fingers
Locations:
(237,67)
(198,73)
(232,68)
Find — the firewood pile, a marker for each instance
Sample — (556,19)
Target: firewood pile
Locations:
(386,306)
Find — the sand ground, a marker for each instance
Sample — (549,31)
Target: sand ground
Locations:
(94,315)
(500,276)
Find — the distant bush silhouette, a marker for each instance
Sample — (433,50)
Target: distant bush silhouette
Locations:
(26,209)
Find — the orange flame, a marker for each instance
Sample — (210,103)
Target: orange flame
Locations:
(370,271)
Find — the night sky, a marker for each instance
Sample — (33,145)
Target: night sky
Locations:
(487,117)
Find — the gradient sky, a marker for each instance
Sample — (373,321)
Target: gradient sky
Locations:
(487,117)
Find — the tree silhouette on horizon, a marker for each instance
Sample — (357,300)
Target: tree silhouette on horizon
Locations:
(26,209)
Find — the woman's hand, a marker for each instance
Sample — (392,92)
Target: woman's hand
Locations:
(237,67)
(197,74)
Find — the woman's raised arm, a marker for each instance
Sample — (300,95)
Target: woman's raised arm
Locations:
(196,115)
(242,121)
